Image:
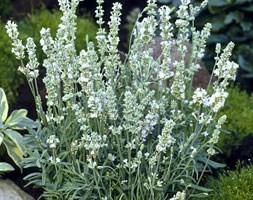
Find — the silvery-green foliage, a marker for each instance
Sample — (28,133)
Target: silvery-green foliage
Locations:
(131,129)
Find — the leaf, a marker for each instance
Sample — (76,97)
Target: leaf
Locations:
(218,6)
(200,195)
(247,75)
(197,187)
(1,138)
(218,38)
(244,64)
(218,23)
(15,117)
(247,8)
(15,153)
(6,167)
(246,26)
(218,3)
(211,163)
(238,2)
(26,123)
(15,137)
(233,16)
(18,120)
(3,106)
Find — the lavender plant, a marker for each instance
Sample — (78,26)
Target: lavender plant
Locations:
(132,129)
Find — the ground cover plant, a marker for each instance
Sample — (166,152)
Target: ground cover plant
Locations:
(233,185)
(131,129)
(239,111)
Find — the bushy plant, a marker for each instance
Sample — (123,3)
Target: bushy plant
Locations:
(232,185)
(239,111)
(10,138)
(10,80)
(114,129)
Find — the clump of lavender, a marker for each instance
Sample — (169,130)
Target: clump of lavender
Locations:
(116,130)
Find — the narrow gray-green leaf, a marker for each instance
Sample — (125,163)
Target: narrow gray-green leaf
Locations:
(197,187)
(211,163)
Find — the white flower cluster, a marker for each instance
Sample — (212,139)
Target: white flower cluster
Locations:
(200,39)
(74,146)
(89,67)
(54,160)
(151,119)
(31,69)
(217,100)
(216,134)
(200,97)
(93,142)
(52,141)
(131,110)
(52,80)
(166,28)
(112,60)
(133,163)
(178,86)
(165,140)
(225,70)
(116,130)
(46,41)
(96,104)
(146,29)
(101,34)
(111,103)
(205,119)
(17,46)
(194,10)
(179,196)
(183,20)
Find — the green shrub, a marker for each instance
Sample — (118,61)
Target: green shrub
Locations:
(232,185)
(5,8)
(10,79)
(239,111)
(10,139)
